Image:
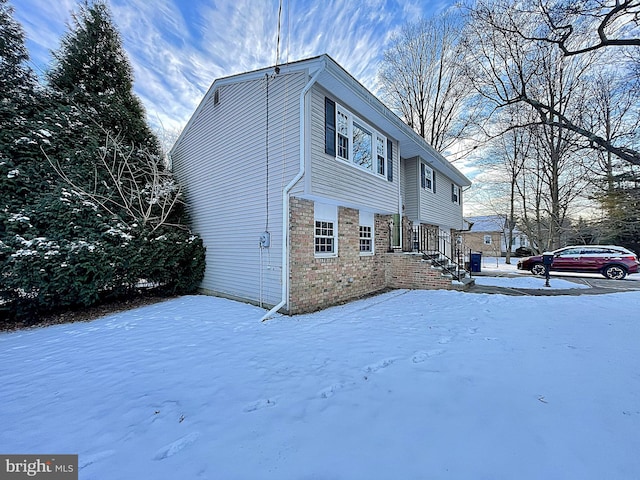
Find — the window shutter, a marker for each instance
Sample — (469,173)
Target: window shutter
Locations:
(423,176)
(453,192)
(433,181)
(389,160)
(329,127)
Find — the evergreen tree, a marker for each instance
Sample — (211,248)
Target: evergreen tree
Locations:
(87,207)
(17,80)
(31,119)
(621,204)
(17,100)
(21,180)
(92,69)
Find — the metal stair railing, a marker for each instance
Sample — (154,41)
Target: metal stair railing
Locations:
(437,246)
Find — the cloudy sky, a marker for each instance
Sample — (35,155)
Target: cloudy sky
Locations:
(178,47)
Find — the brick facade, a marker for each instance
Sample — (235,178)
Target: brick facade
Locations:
(317,283)
(475,241)
(409,270)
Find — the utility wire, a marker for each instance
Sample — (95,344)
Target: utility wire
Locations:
(278,35)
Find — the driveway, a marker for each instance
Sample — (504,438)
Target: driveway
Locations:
(596,283)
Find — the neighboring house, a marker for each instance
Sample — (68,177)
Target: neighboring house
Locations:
(296,178)
(488,234)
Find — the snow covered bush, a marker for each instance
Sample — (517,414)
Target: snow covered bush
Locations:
(43,274)
(66,251)
(174,261)
(87,207)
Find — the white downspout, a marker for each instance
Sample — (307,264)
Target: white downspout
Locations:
(400,210)
(285,198)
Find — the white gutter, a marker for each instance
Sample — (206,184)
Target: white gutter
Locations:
(285,198)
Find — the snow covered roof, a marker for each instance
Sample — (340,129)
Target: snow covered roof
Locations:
(487,223)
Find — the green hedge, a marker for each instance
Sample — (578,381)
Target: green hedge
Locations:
(41,275)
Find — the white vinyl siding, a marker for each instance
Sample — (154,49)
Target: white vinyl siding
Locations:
(423,205)
(225,178)
(340,180)
(437,208)
(411,187)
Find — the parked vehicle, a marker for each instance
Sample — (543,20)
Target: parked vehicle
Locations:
(523,252)
(611,261)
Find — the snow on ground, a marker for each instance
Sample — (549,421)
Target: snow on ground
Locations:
(498,265)
(535,283)
(404,385)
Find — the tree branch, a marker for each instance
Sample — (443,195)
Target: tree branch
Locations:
(146,194)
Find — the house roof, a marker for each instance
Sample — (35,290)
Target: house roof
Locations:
(339,82)
(487,223)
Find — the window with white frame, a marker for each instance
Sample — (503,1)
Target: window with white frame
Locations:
(381,153)
(455,193)
(344,133)
(359,143)
(366,232)
(427,177)
(325,236)
(365,239)
(487,239)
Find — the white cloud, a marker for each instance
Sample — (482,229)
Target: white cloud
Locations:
(178,47)
(43,23)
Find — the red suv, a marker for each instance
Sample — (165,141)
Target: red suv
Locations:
(611,261)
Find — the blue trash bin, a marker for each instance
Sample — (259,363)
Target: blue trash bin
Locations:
(475,262)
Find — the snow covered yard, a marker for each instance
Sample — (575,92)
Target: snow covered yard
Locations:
(405,385)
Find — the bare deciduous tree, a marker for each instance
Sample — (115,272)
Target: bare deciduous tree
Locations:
(512,26)
(508,68)
(512,150)
(613,110)
(422,80)
(143,191)
(575,27)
